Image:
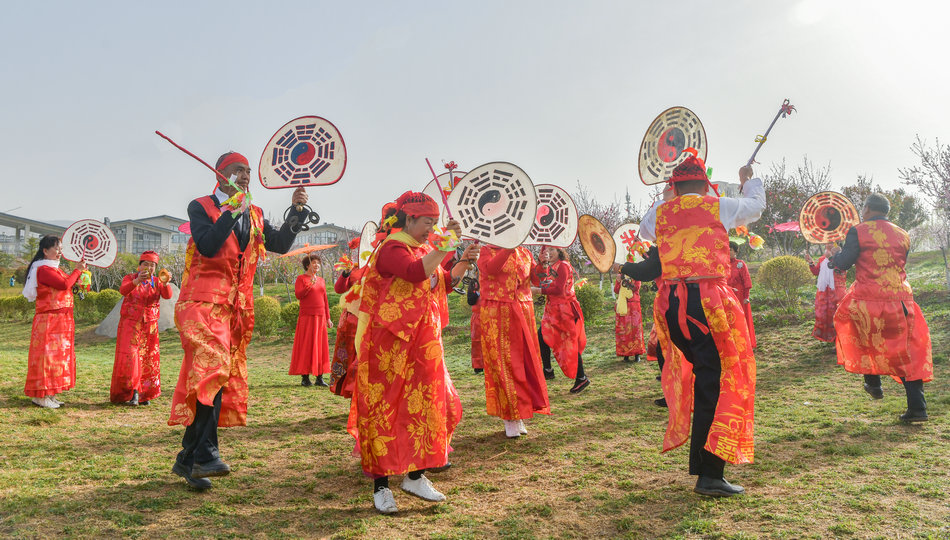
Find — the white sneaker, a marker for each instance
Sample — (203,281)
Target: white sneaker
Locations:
(45,402)
(512,431)
(56,401)
(521,429)
(384,501)
(422,488)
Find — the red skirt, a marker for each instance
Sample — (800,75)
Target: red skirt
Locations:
(826,303)
(136,365)
(562,328)
(311,353)
(629,333)
(343,367)
(747,308)
(51,367)
(475,328)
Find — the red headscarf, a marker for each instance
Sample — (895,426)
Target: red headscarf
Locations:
(149,256)
(692,168)
(230,158)
(416,204)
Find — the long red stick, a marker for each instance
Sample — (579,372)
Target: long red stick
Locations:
(439,185)
(178,146)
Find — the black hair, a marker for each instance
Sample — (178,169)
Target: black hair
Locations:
(690,185)
(46,242)
(734,246)
(561,253)
(401,218)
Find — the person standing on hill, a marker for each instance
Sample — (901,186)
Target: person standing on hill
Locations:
(215,315)
(136,376)
(311,351)
(51,366)
(881,330)
(697,312)
(628,321)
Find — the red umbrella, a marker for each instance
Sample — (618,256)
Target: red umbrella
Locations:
(307,248)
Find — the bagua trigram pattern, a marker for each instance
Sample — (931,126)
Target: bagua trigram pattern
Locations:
(553,223)
(827,216)
(677,128)
(90,242)
(303,153)
(490,188)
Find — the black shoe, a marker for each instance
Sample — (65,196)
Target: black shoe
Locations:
(659,378)
(143,402)
(580,385)
(717,487)
(549,374)
(305,380)
(215,467)
(875,392)
(320,382)
(135,399)
(911,417)
(443,468)
(626,358)
(479,370)
(661,402)
(200,484)
(636,358)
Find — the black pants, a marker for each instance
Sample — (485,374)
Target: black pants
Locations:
(913,389)
(546,358)
(701,352)
(200,443)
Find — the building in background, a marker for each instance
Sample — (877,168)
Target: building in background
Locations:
(133,235)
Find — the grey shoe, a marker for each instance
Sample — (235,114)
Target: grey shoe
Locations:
(717,487)
(875,392)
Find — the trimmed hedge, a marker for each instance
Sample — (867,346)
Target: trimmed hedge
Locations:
(106,301)
(591,299)
(783,276)
(289,313)
(266,315)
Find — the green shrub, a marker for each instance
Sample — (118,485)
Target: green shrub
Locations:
(783,277)
(107,300)
(266,315)
(288,313)
(335,311)
(647,296)
(591,299)
(86,310)
(21,307)
(8,307)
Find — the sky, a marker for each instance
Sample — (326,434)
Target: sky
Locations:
(563,89)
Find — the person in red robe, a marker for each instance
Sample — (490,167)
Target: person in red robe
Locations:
(832,285)
(215,314)
(628,321)
(475,328)
(514,382)
(311,351)
(136,376)
(405,407)
(698,314)
(741,284)
(51,365)
(343,366)
(562,325)
(880,328)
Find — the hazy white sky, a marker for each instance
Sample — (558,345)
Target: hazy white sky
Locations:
(563,89)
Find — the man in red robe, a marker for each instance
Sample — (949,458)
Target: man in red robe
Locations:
(136,377)
(741,284)
(698,313)
(881,330)
(215,315)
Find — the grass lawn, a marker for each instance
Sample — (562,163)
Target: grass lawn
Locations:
(830,462)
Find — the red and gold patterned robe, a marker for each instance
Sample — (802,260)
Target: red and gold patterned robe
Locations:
(514,379)
(343,366)
(475,327)
(562,325)
(826,303)
(405,407)
(51,366)
(136,366)
(628,329)
(311,351)
(215,320)
(881,330)
(694,247)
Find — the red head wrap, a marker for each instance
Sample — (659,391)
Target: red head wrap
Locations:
(149,256)
(416,204)
(692,168)
(230,158)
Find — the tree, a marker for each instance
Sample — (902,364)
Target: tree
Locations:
(906,209)
(787,192)
(611,215)
(932,180)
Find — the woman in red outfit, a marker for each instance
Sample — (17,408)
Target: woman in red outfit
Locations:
(514,381)
(136,378)
(343,366)
(562,326)
(51,367)
(311,353)
(741,284)
(831,288)
(628,329)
